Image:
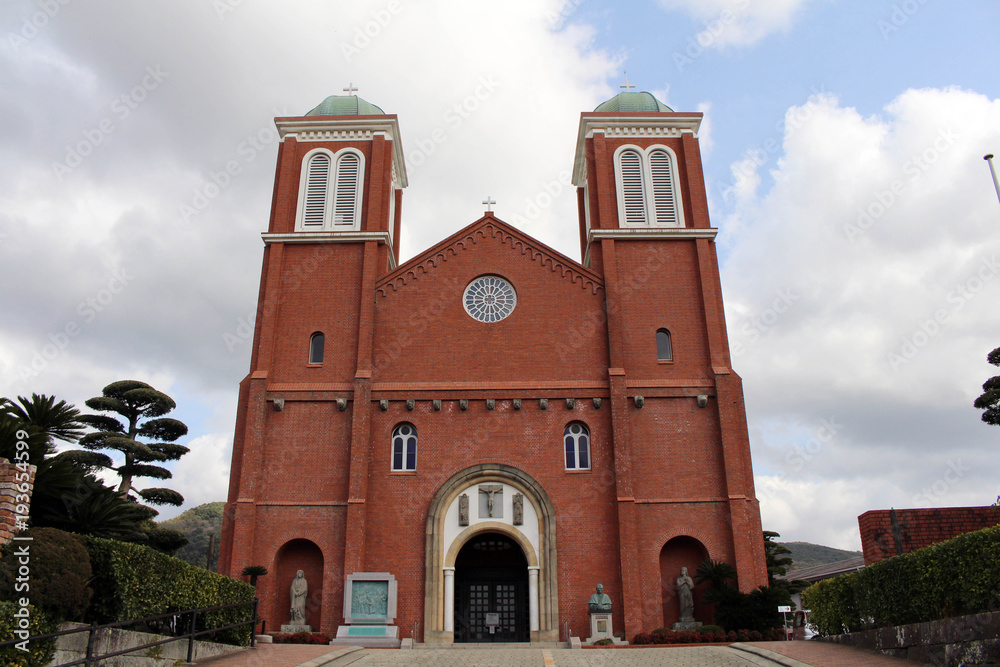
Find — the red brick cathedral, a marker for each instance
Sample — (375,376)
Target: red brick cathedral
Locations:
(496,426)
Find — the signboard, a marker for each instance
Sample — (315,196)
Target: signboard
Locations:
(784,610)
(492,619)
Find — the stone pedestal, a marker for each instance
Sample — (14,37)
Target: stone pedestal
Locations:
(601,628)
(296,628)
(687,623)
(369,636)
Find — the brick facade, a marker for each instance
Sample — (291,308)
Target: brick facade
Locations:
(16,484)
(669,483)
(917,528)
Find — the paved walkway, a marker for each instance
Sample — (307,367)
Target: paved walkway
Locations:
(754,654)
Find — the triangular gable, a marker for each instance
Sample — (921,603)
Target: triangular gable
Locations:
(489,227)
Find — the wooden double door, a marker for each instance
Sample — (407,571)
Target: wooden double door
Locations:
(491,591)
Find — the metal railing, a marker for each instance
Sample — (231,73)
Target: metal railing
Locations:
(93,659)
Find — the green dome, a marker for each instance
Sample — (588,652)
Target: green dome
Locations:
(345,105)
(633,103)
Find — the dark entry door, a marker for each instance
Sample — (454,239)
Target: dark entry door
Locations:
(491,586)
(502,595)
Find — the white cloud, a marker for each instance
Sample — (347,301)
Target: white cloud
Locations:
(860,285)
(736,22)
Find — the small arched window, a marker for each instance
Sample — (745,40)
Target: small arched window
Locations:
(576,438)
(664,348)
(316,343)
(404,447)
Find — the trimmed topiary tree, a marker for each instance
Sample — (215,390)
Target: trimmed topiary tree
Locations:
(142,407)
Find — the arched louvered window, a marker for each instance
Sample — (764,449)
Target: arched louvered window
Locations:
(317,192)
(316,344)
(633,192)
(664,198)
(648,191)
(576,439)
(345,212)
(330,191)
(664,347)
(404,447)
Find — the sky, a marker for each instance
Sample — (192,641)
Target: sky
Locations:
(843,143)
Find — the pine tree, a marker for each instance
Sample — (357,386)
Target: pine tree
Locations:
(142,407)
(989,402)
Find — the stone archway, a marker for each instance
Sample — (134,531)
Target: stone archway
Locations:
(445,539)
(682,551)
(295,555)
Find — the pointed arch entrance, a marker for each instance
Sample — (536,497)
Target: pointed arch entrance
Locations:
(479,505)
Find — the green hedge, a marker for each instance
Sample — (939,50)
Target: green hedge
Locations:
(953,578)
(133,581)
(39,653)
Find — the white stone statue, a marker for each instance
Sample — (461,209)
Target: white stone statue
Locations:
(299,590)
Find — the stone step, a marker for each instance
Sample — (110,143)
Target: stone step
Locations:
(492,645)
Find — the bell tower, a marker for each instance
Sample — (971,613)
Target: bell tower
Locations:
(682,449)
(333,232)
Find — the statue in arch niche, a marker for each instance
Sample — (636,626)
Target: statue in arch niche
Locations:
(298,593)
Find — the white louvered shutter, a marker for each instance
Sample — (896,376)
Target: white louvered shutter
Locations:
(664,197)
(633,196)
(345,203)
(317,191)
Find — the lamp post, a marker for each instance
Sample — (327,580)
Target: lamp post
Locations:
(996,184)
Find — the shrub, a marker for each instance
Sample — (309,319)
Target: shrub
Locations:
(710,628)
(40,653)
(953,578)
(604,642)
(59,573)
(133,581)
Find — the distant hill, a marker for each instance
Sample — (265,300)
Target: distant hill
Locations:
(805,554)
(198,523)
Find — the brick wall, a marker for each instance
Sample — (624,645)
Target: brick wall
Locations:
(918,528)
(16,484)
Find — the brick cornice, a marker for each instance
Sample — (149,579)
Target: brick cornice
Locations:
(489,227)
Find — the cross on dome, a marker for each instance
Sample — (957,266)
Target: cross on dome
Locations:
(351,89)
(628,86)
(489,201)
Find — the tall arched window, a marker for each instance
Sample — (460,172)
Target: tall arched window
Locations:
(317,192)
(330,190)
(648,187)
(346,206)
(576,438)
(316,342)
(404,447)
(664,347)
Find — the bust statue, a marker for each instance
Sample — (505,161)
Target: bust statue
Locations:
(600,601)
